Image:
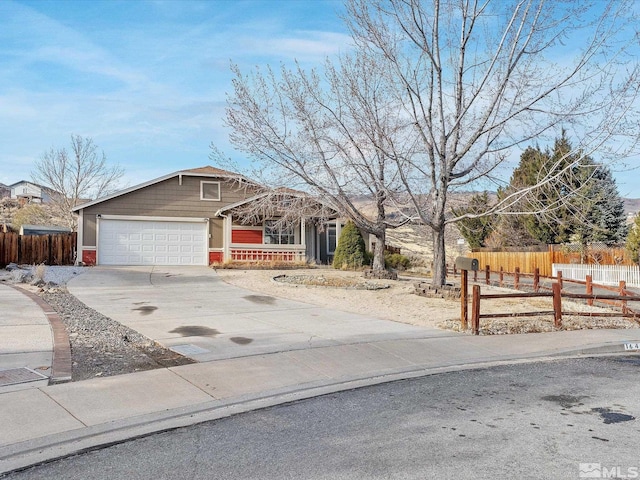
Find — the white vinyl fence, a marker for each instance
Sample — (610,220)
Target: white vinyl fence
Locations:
(602,274)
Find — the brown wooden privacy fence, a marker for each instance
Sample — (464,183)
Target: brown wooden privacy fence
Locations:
(544,260)
(59,249)
(527,262)
(595,254)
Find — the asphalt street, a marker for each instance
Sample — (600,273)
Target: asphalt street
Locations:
(563,419)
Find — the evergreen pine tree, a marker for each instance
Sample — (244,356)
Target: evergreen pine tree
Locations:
(475,230)
(600,213)
(581,204)
(350,252)
(552,221)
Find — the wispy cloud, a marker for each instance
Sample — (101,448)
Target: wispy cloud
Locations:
(146,79)
(306,46)
(32,39)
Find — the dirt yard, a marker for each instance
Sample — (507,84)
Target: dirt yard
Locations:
(400,304)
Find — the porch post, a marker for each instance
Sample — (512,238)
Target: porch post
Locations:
(303,239)
(226,233)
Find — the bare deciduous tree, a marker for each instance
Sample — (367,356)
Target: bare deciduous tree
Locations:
(435,96)
(284,206)
(477,78)
(76,175)
(323,133)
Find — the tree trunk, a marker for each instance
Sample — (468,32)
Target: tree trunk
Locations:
(378,252)
(439,258)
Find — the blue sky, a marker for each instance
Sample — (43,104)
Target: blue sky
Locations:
(147,80)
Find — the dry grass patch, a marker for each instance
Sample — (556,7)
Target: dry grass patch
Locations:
(399,304)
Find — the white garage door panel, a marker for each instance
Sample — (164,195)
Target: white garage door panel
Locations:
(133,242)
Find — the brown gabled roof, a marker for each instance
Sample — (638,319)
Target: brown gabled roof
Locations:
(290,191)
(267,192)
(209,170)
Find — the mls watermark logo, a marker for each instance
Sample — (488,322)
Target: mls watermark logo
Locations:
(590,470)
(596,470)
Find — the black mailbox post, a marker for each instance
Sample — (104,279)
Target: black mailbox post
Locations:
(465,264)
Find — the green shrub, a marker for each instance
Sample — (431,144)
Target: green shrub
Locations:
(633,240)
(396,261)
(351,251)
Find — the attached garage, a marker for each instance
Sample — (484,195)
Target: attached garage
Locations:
(152,241)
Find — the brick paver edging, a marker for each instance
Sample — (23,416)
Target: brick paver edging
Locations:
(61,367)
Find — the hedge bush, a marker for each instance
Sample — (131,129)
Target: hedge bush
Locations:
(397,261)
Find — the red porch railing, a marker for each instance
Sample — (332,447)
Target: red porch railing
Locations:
(268,253)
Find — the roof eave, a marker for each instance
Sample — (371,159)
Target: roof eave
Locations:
(158,180)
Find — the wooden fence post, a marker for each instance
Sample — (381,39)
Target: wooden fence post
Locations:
(623,288)
(501,278)
(560,279)
(464,297)
(455,270)
(557,304)
(589,282)
(536,280)
(516,279)
(475,275)
(475,310)
(487,274)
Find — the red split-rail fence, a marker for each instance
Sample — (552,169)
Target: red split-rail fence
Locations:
(556,287)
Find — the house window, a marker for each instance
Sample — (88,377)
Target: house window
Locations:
(331,238)
(210,191)
(278,235)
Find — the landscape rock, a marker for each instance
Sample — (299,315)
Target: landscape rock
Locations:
(447,291)
(380,275)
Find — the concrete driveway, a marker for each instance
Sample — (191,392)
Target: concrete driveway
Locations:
(192,311)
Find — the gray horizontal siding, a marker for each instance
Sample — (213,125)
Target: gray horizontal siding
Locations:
(166,199)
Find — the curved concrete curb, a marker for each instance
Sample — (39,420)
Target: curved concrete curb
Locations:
(61,365)
(42,450)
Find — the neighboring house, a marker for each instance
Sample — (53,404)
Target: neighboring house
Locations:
(43,230)
(190,217)
(5,191)
(29,192)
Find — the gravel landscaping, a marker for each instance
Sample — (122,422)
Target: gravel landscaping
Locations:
(100,346)
(331,281)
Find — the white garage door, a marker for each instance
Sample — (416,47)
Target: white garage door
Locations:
(144,242)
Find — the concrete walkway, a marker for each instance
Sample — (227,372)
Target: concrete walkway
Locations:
(48,422)
(26,341)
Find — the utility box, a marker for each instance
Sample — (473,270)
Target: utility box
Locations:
(467,263)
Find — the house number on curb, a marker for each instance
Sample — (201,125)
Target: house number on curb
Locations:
(632,346)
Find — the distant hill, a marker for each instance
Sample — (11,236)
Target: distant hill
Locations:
(631,205)
(416,240)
